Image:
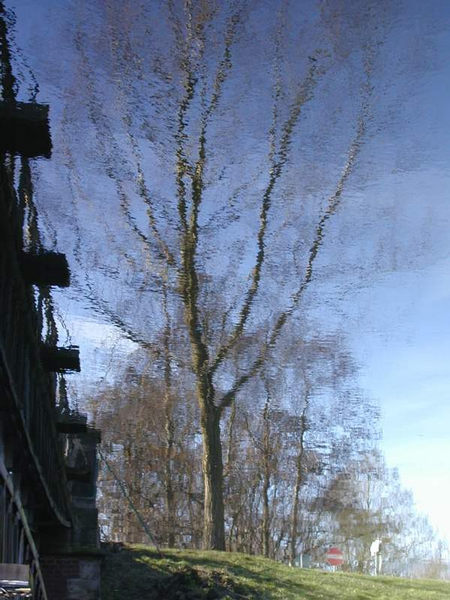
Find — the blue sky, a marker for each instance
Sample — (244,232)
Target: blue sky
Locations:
(409,373)
(383,274)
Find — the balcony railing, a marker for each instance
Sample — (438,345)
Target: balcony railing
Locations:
(29,388)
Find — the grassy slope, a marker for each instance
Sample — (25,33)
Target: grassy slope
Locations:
(138,573)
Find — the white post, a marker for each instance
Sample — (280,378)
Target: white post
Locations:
(375,552)
(379,560)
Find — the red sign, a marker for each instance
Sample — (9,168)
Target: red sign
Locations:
(334,557)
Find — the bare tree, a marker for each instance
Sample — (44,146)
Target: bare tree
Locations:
(176,237)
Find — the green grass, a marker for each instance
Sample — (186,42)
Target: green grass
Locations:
(138,573)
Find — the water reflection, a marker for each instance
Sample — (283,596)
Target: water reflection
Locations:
(231,179)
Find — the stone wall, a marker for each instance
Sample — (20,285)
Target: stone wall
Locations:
(72,577)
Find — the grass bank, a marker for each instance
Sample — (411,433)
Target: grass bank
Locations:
(138,573)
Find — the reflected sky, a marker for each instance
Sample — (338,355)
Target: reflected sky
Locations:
(370,81)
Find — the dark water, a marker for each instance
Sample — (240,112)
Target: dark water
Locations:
(267,178)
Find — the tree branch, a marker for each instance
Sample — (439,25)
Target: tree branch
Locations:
(332,205)
(303,96)
(101,307)
(105,139)
(189,275)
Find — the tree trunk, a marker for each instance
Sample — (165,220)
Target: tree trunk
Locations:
(266,481)
(294,514)
(169,428)
(266,514)
(298,483)
(170,496)
(213,518)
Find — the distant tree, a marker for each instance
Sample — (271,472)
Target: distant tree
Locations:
(262,436)
(133,417)
(365,502)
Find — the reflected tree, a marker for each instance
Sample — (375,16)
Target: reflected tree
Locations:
(216,138)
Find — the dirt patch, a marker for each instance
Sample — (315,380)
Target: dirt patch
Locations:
(196,584)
